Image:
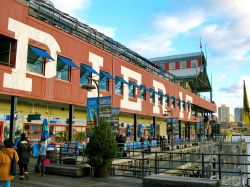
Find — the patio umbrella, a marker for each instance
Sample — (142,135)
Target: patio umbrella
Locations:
(128,133)
(45,129)
(139,131)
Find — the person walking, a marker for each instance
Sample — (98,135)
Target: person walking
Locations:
(41,157)
(7,154)
(23,150)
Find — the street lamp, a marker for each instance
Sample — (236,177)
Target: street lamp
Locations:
(172,121)
(91,87)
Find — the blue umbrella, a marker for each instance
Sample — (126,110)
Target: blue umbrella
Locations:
(45,129)
(139,131)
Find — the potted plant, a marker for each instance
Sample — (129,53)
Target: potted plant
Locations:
(101,149)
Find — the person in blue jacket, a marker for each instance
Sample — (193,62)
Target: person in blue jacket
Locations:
(41,157)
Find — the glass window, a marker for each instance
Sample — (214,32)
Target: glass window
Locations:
(172,65)
(183,106)
(131,90)
(179,104)
(183,64)
(167,100)
(152,96)
(35,63)
(160,98)
(7,51)
(173,102)
(104,82)
(84,76)
(143,94)
(63,70)
(194,63)
(118,87)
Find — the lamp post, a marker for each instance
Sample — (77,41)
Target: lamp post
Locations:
(172,122)
(91,87)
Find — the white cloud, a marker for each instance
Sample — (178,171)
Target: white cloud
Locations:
(108,31)
(70,7)
(232,96)
(230,36)
(166,28)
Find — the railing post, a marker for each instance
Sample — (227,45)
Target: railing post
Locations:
(156,165)
(219,163)
(142,169)
(60,156)
(202,166)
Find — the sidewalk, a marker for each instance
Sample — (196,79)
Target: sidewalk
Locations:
(61,181)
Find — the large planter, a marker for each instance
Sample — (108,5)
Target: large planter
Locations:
(101,172)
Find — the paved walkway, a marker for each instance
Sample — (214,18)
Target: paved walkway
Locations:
(62,181)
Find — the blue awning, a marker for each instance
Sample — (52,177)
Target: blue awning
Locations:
(122,80)
(107,75)
(89,69)
(167,96)
(183,101)
(160,93)
(153,91)
(68,61)
(173,97)
(145,88)
(41,52)
(136,85)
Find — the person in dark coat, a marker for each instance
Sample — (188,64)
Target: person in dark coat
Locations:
(23,150)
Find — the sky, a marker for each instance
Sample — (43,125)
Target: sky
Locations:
(156,28)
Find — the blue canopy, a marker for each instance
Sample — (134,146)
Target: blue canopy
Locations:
(40,52)
(122,80)
(145,88)
(107,75)
(68,61)
(89,69)
(136,85)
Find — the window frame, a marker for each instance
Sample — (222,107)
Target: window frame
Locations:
(88,76)
(143,93)
(105,83)
(183,64)
(121,87)
(67,68)
(151,96)
(30,66)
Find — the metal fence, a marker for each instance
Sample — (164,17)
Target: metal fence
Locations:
(208,160)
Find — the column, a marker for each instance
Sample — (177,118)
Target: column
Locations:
(12,118)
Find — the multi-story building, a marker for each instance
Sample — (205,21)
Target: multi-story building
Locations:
(238,114)
(46,57)
(223,113)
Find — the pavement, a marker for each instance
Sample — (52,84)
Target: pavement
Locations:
(62,181)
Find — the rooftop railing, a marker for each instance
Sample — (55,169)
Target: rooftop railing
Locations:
(49,14)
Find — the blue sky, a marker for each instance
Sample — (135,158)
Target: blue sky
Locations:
(155,28)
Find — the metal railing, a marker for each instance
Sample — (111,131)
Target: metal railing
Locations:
(49,14)
(230,169)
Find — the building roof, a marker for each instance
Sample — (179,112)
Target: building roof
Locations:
(173,58)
